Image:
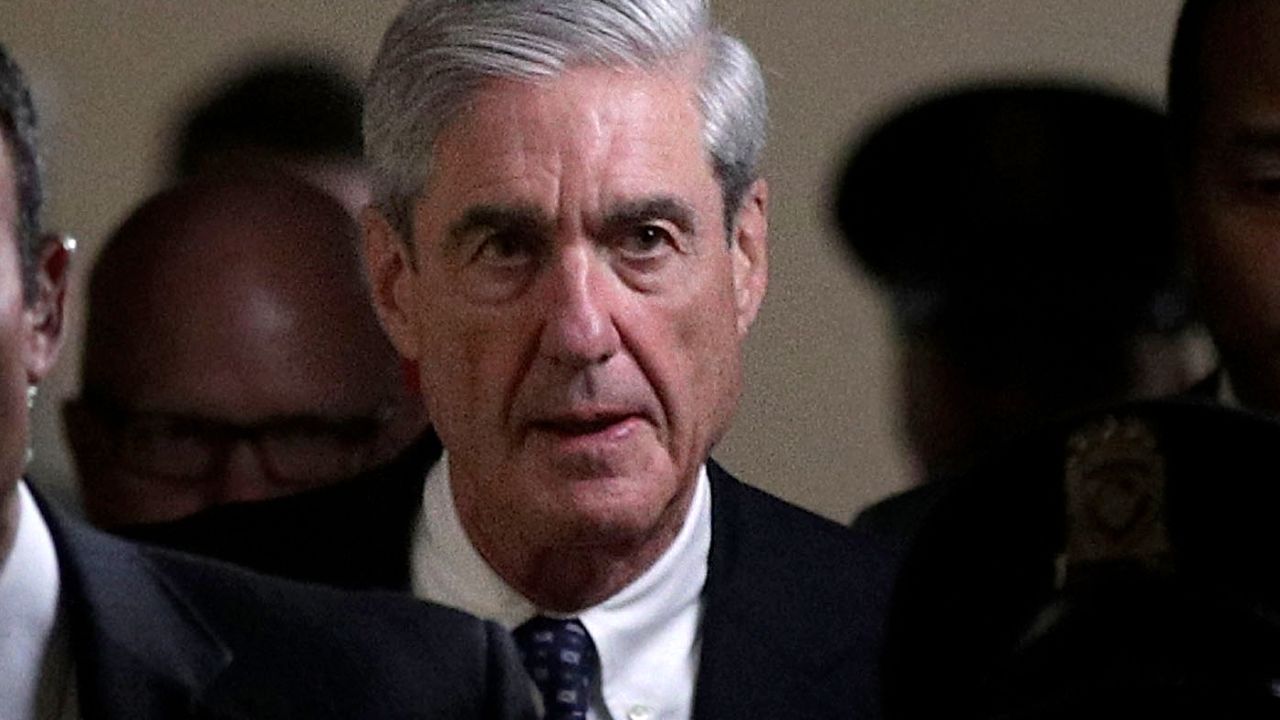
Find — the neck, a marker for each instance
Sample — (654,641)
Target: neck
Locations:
(571,579)
(572,570)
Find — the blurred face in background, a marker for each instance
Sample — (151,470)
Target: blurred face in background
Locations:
(1232,194)
(232,355)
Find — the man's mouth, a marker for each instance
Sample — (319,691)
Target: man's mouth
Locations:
(586,424)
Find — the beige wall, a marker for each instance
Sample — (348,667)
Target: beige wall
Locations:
(817,424)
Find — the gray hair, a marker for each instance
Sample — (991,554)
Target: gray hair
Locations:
(18,130)
(437,52)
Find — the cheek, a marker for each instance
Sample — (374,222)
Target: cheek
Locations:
(13,413)
(709,355)
(470,362)
(1237,251)
(13,392)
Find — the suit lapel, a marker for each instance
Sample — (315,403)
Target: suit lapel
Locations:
(141,651)
(752,663)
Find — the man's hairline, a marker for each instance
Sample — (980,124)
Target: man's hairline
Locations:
(14,225)
(688,65)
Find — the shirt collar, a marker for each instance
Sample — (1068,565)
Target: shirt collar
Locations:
(29,589)
(647,634)
(446,567)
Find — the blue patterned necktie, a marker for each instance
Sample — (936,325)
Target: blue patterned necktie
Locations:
(561,659)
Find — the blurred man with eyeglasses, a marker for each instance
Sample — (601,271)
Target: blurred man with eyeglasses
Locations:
(231,355)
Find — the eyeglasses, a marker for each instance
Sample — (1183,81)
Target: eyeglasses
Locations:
(294,449)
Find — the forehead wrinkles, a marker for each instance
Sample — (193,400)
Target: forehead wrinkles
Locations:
(605,154)
(572,144)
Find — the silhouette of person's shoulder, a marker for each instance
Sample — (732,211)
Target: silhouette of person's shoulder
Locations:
(157,633)
(353,534)
(983,572)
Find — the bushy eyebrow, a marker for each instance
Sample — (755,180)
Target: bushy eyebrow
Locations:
(662,207)
(523,219)
(531,221)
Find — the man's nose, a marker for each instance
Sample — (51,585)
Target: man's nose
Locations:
(243,476)
(579,308)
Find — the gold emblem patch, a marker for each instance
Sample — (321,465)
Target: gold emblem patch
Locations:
(1115,483)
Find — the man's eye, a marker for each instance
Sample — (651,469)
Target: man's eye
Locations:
(1258,176)
(504,249)
(647,241)
(1265,185)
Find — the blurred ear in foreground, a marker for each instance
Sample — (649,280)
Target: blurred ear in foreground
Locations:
(45,310)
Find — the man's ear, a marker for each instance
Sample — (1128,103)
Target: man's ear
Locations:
(750,250)
(391,271)
(43,315)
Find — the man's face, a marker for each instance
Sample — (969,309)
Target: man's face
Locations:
(13,415)
(575,305)
(29,335)
(233,376)
(1232,198)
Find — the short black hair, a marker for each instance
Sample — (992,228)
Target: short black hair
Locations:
(293,106)
(18,128)
(1184,95)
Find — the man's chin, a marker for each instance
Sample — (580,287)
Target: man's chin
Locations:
(613,494)
(622,526)
(610,507)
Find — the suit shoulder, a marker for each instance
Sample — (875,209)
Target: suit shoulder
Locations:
(761,539)
(791,595)
(776,523)
(278,648)
(375,649)
(220,590)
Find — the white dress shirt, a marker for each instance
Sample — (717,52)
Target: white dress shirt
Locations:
(647,635)
(35,648)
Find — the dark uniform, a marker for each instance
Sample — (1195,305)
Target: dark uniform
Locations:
(1122,564)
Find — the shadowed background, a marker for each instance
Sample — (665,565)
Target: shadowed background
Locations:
(818,424)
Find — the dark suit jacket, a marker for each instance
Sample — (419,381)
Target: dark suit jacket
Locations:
(794,602)
(159,635)
(794,612)
(354,534)
(978,587)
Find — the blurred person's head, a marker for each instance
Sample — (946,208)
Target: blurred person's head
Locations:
(569,237)
(1024,235)
(300,114)
(1224,105)
(231,354)
(33,277)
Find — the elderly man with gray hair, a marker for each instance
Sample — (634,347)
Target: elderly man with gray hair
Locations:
(569,240)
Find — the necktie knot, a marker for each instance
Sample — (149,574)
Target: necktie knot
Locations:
(561,660)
